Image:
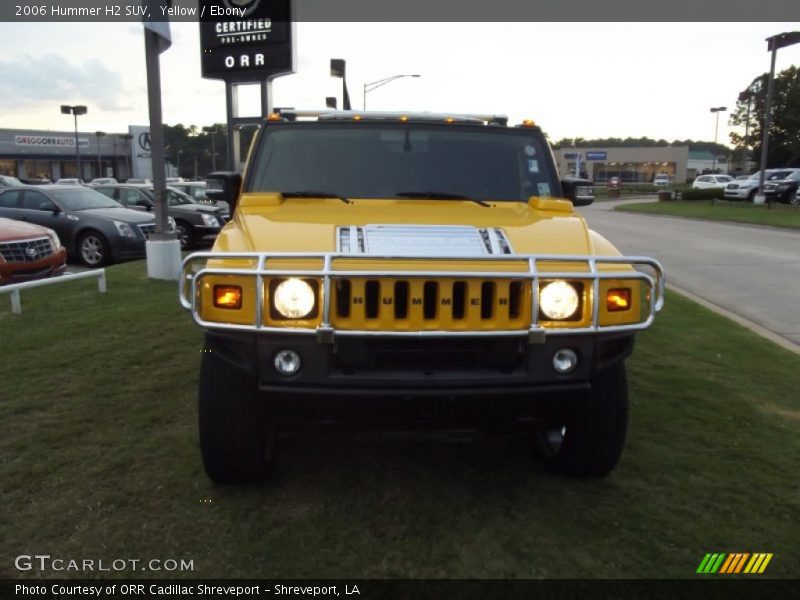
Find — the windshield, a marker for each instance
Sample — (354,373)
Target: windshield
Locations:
(84,199)
(380,160)
(176,198)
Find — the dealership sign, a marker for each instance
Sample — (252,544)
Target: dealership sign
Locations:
(246,40)
(141,152)
(49,141)
(596,155)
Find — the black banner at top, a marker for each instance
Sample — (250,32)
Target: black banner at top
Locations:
(597,11)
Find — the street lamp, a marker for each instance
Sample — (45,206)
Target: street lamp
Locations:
(717,110)
(178,165)
(67,109)
(773,43)
(368,87)
(338,70)
(98,135)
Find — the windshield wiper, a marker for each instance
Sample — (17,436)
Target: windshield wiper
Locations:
(441,196)
(314,194)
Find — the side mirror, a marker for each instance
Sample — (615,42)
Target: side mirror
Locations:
(225,186)
(49,206)
(578,191)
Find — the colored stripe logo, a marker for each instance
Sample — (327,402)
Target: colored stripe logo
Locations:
(734,563)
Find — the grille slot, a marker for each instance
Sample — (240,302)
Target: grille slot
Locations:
(429,297)
(372,299)
(401,299)
(515,290)
(26,250)
(487,299)
(343,295)
(459,300)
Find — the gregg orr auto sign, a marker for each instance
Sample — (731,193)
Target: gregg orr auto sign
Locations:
(47,140)
(246,40)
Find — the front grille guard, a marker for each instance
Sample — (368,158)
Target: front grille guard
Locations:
(325,331)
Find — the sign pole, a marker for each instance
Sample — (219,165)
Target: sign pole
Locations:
(156,133)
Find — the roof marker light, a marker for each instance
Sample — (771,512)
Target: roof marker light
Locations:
(404,118)
(528,123)
(275,117)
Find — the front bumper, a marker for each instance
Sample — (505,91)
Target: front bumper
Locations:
(126,248)
(738,194)
(19,272)
(400,383)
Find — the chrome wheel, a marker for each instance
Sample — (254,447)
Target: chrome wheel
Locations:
(93,251)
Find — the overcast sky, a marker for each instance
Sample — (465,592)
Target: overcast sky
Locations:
(574,79)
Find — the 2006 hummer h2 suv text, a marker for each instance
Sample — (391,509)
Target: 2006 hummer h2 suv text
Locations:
(412,271)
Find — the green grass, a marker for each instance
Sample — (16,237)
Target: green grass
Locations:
(99,459)
(738,212)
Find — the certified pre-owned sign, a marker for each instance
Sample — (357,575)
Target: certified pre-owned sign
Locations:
(246,40)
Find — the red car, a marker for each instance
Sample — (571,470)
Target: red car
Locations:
(29,251)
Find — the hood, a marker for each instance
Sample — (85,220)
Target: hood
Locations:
(310,225)
(11,230)
(126,215)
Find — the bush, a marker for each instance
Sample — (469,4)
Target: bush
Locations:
(706,194)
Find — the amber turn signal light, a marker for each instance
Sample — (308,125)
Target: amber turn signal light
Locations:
(617,300)
(228,296)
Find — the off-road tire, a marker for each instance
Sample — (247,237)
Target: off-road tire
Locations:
(593,439)
(236,439)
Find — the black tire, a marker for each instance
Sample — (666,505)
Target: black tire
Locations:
(184,233)
(590,443)
(93,249)
(236,439)
(752,195)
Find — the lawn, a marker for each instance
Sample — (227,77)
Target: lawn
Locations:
(738,212)
(99,459)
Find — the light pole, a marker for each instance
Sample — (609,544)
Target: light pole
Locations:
(98,135)
(717,110)
(178,165)
(67,109)
(338,67)
(368,87)
(773,43)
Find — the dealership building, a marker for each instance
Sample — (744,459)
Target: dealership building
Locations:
(31,154)
(631,165)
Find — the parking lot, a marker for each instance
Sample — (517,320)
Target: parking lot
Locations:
(750,271)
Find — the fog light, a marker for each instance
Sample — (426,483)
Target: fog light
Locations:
(287,362)
(565,360)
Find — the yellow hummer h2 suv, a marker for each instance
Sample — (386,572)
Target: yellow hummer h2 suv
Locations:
(411,271)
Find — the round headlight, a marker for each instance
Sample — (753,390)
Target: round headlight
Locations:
(558,300)
(294,298)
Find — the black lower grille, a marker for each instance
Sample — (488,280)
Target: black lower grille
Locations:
(429,354)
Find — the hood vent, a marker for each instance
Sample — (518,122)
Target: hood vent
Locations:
(421,240)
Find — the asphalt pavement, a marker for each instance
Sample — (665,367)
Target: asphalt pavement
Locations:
(750,271)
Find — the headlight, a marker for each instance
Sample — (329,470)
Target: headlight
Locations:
(54,241)
(171,223)
(294,298)
(558,300)
(124,229)
(210,220)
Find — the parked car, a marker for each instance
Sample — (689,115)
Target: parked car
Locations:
(196,224)
(69,181)
(138,180)
(35,181)
(8,181)
(783,190)
(197,190)
(661,179)
(614,182)
(28,251)
(704,182)
(747,189)
(102,181)
(94,229)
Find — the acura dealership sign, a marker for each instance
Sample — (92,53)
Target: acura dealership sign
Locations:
(246,40)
